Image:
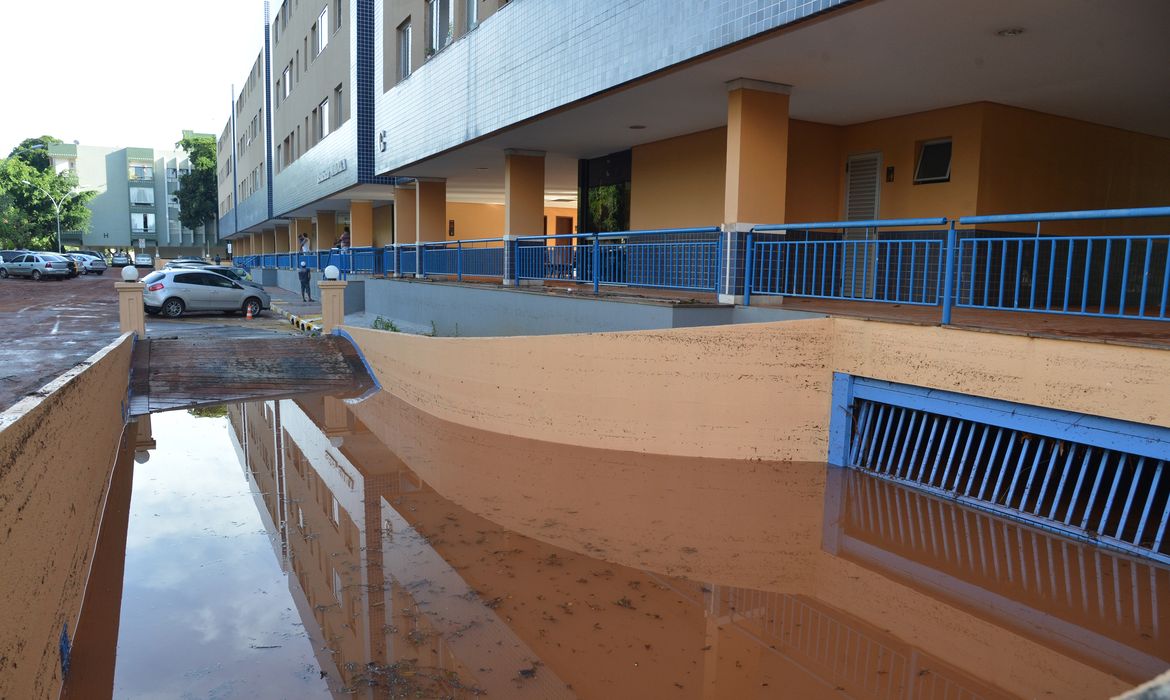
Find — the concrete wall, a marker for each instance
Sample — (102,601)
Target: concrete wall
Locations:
(494,311)
(57,450)
(744,391)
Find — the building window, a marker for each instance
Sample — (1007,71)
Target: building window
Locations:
(472,14)
(404,50)
(142,196)
(142,223)
(438,24)
(287,80)
(141,172)
(336,15)
(934,162)
(339,106)
(321,31)
(323,119)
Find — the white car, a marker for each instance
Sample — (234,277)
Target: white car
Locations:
(174,291)
(143,260)
(89,263)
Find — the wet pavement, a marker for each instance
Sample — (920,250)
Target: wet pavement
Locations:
(51,326)
(426,559)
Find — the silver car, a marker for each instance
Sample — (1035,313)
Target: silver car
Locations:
(89,263)
(171,292)
(36,266)
(236,274)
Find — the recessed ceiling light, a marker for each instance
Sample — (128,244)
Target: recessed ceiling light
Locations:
(637,126)
(1010,32)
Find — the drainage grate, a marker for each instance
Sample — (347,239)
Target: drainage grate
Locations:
(1108,495)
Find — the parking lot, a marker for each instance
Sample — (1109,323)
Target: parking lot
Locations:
(50,326)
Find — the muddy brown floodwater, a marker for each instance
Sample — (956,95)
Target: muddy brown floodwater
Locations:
(317,548)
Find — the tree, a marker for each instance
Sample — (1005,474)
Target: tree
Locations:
(198,192)
(28,218)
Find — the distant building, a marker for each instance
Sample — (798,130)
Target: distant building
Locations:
(137,203)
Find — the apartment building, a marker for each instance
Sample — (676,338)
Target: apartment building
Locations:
(136,203)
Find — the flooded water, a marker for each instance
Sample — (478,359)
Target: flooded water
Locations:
(313,548)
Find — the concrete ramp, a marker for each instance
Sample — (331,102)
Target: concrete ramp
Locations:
(201,370)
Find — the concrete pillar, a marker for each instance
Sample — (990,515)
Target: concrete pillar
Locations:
(281,237)
(404,215)
(269,240)
(430,202)
(336,417)
(383,225)
(144,437)
(332,303)
(327,233)
(361,224)
(757,172)
(430,205)
(523,193)
(131,315)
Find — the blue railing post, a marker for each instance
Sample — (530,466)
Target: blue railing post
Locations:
(596,265)
(949,274)
(747,271)
(459,260)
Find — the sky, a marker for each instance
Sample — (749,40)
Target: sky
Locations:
(124,72)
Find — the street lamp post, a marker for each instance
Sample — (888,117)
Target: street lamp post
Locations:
(56,206)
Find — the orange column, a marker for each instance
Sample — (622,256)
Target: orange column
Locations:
(361,224)
(430,199)
(404,215)
(523,193)
(757,152)
(327,233)
(283,244)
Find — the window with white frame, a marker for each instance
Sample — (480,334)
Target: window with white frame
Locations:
(142,196)
(323,119)
(472,14)
(142,223)
(404,50)
(322,30)
(338,106)
(286,78)
(336,15)
(438,24)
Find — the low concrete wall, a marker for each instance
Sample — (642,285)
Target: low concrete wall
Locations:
(744,391)
(486,311)
(57,450)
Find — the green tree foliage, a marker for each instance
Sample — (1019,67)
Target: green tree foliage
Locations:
(198,194)
(28,218)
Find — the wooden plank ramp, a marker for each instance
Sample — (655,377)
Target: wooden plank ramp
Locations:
(187,371)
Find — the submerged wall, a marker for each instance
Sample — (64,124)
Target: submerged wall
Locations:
(57,451)
(744,391)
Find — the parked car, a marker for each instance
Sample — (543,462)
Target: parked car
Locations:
(120,260)
(143,260)
(89,263)
(174,291)
(38,266)
(10,255)
(93,253)
(236,274)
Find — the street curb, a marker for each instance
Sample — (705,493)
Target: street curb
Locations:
(308,325)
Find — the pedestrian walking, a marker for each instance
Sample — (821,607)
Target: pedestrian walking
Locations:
(303,276)
(217,259)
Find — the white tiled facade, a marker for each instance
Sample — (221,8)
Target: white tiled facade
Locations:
(533,56)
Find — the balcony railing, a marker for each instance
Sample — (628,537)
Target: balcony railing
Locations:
(928,262)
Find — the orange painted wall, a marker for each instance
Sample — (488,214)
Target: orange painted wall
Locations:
(897,139)
(476,220)
(383,225)
(678,182)
(814,171)
(1033,161)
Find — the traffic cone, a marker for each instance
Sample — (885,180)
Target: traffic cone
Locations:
(249,312)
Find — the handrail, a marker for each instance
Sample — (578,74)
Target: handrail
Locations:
(872,223)
(1081,215)
(624,234)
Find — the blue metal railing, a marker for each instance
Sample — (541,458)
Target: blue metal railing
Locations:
(480,257)
(686,259)
(1118,276)
(408,260)
(857,267)
(389,260)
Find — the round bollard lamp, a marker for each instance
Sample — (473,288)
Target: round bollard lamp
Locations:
(332,273)
(129,274)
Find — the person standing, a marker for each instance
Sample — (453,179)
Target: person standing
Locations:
(303,276)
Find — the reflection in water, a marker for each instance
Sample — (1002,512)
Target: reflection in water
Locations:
(436,560)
